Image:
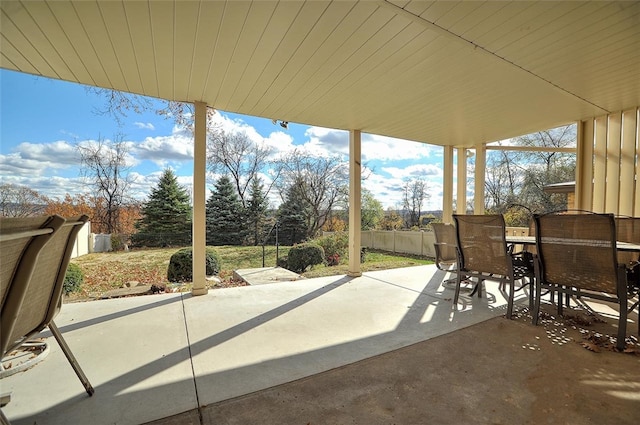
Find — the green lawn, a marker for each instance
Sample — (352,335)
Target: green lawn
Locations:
(111,270)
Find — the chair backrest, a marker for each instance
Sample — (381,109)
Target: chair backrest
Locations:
(578,250)
(532,227)
(628,230)
(532,232)
(35,253)
(482,244)
(445,245)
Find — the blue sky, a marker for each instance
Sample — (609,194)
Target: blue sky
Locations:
(42,120)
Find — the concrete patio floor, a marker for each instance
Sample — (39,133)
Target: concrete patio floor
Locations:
(157,356)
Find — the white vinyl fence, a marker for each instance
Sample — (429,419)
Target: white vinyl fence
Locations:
(87,242)
(412,242)
(400,241)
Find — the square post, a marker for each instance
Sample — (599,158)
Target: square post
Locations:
(461,187)
(447,185)
(199,233)
(478,187)
(355,202)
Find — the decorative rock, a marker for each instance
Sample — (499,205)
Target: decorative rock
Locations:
(158,288)
(127,292)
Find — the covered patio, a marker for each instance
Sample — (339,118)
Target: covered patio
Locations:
(455,74)
(383,347)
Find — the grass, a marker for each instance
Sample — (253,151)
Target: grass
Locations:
(112,270)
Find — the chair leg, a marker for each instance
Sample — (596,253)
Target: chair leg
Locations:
(622,326)
(536,304)
(511,298)
(74,363)
(477,288)
(458,283)
(532,284)
(560,300)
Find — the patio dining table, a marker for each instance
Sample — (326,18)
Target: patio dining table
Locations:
(531,240)
(620,246)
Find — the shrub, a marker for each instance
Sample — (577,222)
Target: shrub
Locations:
(334,245)
(282,262)
(333,260)
(118,241)
(303,256)
(181,265)
(73,279)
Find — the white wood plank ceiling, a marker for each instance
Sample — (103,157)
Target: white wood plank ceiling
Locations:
(447,73)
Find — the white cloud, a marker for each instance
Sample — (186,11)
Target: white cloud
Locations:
(37,158)
(323,141)
(144,125)
(386,190)
(14,165)
(326,141)
(280,142)
(223,122)
(59,152)
(387,184)
(390,149)
(49,186)
(415,171)
(141,184)
(163,150)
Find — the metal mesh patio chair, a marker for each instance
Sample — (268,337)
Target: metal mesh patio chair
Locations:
(628,230)
(578,256)
(484,254)
(445,247)
(35,253)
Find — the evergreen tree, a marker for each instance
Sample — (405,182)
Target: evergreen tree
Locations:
(225,215)
(293,216)
(257,210)
(166,216)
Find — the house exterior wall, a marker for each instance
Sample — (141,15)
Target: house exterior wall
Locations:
(608,168)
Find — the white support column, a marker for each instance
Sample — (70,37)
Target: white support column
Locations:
(461,193)
(447,185)
(614,145)
(478,187)
(584,165)
(355,202)
(600,164)
(199,238)
(628,162)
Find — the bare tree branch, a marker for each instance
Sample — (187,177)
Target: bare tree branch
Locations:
(236,155)
(323,182)
(20,201)
(104,164)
